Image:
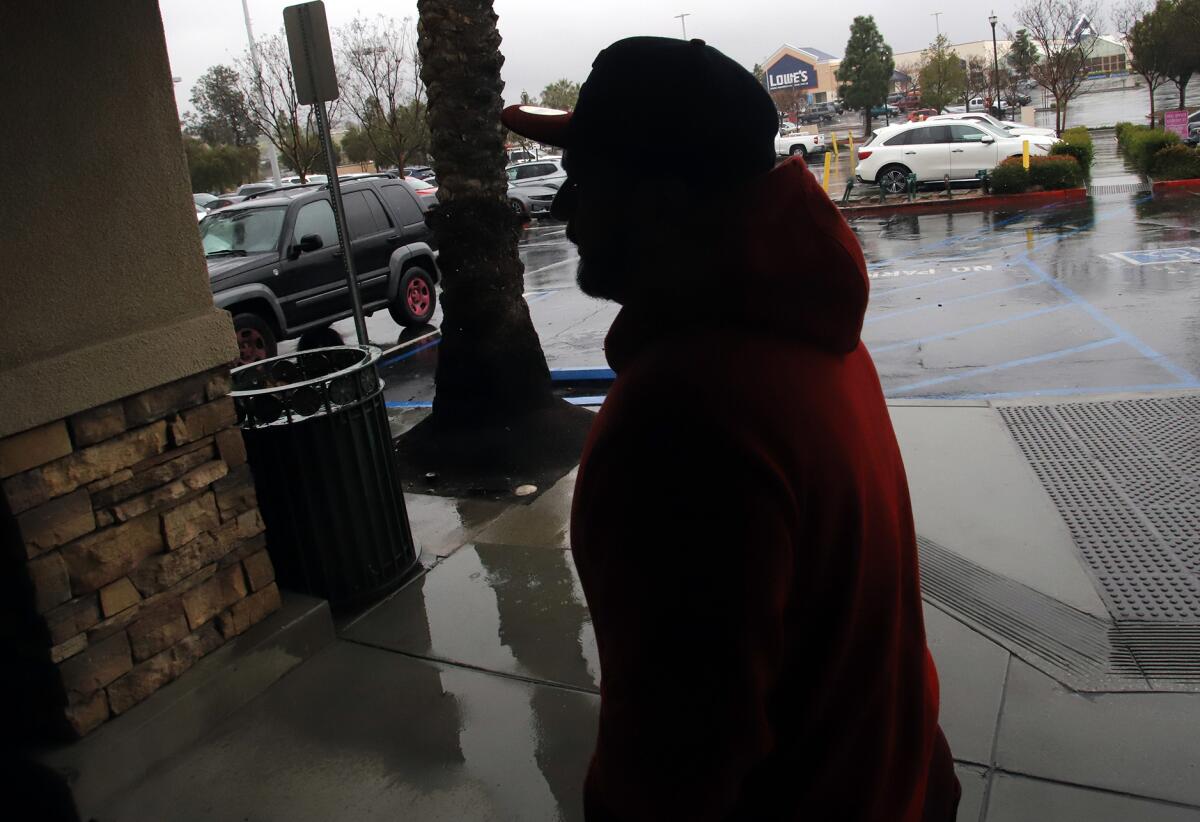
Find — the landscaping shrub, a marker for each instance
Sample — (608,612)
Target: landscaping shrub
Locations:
(1123,130)
(1141,144)
(1055,173)
(1175,162)
(1045,173)
(1009,178)
(1077,143)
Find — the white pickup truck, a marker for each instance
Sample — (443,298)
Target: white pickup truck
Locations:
(802,144)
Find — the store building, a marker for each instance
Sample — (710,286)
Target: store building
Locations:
(797,77)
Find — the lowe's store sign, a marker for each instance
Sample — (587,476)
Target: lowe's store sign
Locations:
(790,72)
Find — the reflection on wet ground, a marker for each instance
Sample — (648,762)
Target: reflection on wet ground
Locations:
(365,734)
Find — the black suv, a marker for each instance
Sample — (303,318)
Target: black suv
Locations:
(275,264)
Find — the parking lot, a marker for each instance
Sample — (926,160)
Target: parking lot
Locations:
(1078,300)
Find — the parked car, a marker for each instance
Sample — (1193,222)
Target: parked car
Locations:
(201,211)
(420,172)
(528,201)
(257,188)
(919,115)
(223,200)
(932,151)
(1011,128)
(547,171)
(885,109)
(814,115)
(802,144)
(423,189)
(204,200)
(786,127)
(975,103)
(275,264)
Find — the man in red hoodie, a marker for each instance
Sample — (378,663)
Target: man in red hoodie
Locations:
(741,524)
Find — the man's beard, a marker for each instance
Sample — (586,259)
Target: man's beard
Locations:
(603,277)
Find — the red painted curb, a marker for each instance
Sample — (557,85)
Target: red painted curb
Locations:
(994,201)
(1175,186)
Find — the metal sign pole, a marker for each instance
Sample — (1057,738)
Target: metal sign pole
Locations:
(339,214)
(316,81)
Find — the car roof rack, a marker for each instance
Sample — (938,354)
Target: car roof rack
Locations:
(391,175)
(271,191)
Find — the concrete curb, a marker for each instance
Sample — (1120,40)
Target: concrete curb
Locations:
(988,203)
(1168,187)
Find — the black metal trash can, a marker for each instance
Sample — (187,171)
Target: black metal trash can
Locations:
(329,488)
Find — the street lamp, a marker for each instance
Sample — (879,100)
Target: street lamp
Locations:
(995,68)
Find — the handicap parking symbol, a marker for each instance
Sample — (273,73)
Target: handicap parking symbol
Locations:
(1159,256)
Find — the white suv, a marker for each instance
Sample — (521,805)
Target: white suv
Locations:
(1008,126)
(934,151)
(547,171)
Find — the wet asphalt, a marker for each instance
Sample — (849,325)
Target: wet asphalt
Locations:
(1095,298)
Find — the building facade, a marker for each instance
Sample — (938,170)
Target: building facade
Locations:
(798,77)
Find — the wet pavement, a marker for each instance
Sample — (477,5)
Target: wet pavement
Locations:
(471,694)
(1111,101)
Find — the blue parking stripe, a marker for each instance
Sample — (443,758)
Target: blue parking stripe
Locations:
(581,374)
(988,369)
(1181,374)
(933,305)
(971,328)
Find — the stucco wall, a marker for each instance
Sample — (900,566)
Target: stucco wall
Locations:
(104,287)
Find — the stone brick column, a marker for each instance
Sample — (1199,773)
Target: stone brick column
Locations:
(138,531)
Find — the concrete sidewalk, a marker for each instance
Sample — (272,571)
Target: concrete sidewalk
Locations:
(471,694)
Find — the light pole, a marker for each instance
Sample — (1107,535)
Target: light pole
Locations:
(272,155)
(995,68)
(683,22)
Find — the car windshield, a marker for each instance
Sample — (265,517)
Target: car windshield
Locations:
(245,231)
(995,129)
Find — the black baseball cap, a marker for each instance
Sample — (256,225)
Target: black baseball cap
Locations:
(685,108)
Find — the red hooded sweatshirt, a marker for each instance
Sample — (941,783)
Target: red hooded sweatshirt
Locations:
(744,536)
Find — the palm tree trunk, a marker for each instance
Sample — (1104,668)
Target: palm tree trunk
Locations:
(490,362)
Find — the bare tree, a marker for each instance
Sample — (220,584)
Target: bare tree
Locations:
(383,87)
(270,92)
(1062,67)
(1127,12)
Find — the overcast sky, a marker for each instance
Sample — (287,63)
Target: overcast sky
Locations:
(548,39)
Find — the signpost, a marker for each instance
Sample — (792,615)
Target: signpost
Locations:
(1176,121)
(316,83)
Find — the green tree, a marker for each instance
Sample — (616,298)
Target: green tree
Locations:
(760,74)
(1181,20)
(943,77)
(1022,55)
(221,116)
(356,145)
(219,168)
(561,94)
(490,363)
(1149,40)
(865,73)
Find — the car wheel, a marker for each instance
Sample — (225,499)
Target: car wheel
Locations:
(255,338)
(894,179)
(518,209)
(799,149)
(319,338)
(415,299)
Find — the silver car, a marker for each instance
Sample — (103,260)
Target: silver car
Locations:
(531,200)
(547,171)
